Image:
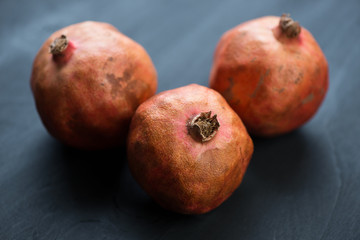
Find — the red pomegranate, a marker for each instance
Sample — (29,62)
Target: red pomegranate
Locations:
(87,81)
(272,72)
(188,149)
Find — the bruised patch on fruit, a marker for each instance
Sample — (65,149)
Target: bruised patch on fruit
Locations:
(228,92)
(280,68)
(108,61)
(308,98)
(279,90)
(260,83)
(136,85)
(299,78)
(115,84)
(133,99)
(317,71)
(118,83)
(126,75)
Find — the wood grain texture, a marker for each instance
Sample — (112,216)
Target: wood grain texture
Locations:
(304,185)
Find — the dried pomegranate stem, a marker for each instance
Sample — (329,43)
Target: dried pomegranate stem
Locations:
(59,45)
(289,26)
(203,127)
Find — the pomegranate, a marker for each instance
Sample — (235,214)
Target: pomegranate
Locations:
(272,72)
(87,81)
(188,149)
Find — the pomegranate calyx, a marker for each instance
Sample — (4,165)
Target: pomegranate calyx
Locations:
(203,127)
(288,26)
(59,45)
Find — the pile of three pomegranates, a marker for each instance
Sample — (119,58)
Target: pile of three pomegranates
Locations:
(186,147)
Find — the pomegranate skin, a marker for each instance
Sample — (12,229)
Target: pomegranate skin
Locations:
(87,94)
(178,171)
(274,82)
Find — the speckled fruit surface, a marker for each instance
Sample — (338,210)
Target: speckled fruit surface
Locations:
(178,170)
(87,89)
(274,75)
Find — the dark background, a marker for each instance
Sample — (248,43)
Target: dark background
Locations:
(304,185)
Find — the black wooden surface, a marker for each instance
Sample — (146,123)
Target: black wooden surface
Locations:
(304,185)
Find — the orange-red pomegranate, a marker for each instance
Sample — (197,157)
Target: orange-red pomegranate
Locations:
(188,149)
(272,72)
(87,80)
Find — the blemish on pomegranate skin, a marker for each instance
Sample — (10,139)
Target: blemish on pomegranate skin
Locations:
(279,90)
(298,55)
(107,62)
(115,84)
(299,78)
(133,100)
(260,82)
(309,98)
(280,68)
(127,75)
(228,93)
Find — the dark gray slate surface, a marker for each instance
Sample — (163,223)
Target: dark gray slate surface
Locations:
(305,185)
